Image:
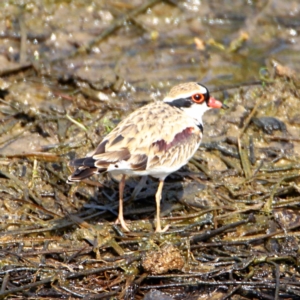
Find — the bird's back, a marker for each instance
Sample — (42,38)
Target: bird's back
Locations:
(156,139)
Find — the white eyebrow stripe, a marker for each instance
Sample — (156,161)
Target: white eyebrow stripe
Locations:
(188,94)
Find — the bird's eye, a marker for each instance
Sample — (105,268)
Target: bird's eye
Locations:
(198,98)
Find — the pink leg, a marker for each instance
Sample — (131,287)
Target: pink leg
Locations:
(120,216)
(157,199)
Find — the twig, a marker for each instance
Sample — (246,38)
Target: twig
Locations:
(235,86)
(23,44)
(112,28)
(25,189)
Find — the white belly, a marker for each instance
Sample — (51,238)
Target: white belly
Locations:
(161,172)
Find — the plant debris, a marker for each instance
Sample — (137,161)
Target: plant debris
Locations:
(232,212)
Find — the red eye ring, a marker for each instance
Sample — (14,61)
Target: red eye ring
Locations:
(198,98)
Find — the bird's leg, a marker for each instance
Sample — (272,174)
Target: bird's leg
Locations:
(120,216)
(157,199)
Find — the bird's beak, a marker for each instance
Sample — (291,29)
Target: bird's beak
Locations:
(214,103)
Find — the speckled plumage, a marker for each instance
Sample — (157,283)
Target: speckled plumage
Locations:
(156,139)
(139,136)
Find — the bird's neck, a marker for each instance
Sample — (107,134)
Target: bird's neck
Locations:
(196,112)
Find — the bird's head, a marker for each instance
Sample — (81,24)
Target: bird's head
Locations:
(193,98)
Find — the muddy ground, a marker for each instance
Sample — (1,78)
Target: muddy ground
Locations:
(70,71)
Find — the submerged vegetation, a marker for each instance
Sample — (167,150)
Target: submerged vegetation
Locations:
(233,210)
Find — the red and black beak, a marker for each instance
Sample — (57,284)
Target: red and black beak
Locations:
(214,103)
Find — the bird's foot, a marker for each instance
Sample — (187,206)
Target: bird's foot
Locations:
(122,223)
(159,229)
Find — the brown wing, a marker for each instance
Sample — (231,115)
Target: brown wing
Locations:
(153,134)
(177,152)
(154,128)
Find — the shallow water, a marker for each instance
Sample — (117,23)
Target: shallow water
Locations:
(232,210)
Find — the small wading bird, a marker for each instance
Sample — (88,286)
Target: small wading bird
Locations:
(156,139)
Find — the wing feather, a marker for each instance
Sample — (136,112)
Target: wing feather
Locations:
(147,125)
(154,134)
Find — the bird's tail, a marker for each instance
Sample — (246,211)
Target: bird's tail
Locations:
(85,167)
